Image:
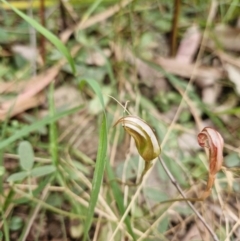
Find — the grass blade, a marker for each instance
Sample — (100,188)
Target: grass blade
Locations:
(47,34)
(95,86)
(119,199)
(37,125)
(98,175)
(53,135)
(100,162)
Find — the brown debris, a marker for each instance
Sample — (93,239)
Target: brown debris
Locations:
(187,70)
(189,45)
(225,37)
(29,97)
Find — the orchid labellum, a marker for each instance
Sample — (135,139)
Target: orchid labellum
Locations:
(212,140)
(145,139)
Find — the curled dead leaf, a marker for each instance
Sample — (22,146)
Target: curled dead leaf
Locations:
(212,140)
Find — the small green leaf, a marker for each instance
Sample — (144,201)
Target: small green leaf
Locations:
(16,223)
(26,155)
(17,176)
(42,171)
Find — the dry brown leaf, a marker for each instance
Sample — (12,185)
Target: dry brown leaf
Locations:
(20,106)
(156,79)
(227,58)
(187,142)
(34,86)
(94,19)
(27,52)
(97,58)
(196,232)
(186,70)
(148,75)
(226,37)
(9,87)
(210,94)
(4,52)
(189,45)
(234,76)
(26,99)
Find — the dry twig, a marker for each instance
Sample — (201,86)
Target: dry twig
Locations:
(174,182)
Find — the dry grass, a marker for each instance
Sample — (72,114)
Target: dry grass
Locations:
(124,47)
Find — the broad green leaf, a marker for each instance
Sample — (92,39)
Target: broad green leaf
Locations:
(26,155)
(37,125)
(119,198)
(100,162)
(17,176)
(42,171)
(47,34)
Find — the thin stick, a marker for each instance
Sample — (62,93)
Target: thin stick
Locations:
(174,182)
(124,107)
(35,213)
(175,20)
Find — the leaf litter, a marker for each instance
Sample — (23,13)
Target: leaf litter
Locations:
(79,133)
